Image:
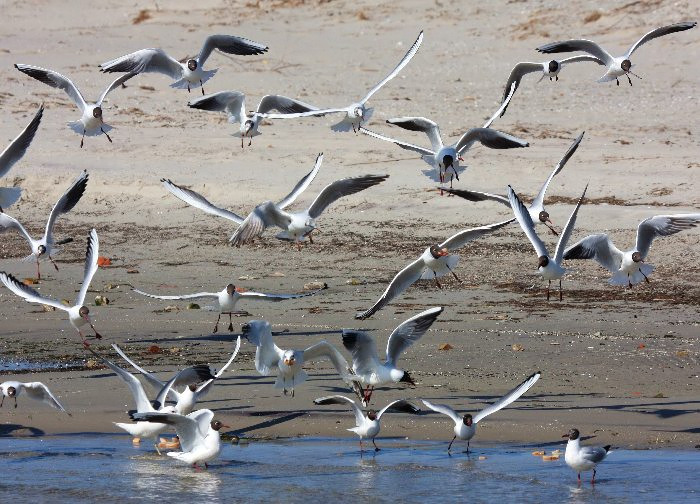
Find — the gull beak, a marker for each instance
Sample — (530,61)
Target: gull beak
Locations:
(566,436)
(460,158)
(443,252)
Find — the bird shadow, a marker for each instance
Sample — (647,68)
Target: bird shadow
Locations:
(7,430)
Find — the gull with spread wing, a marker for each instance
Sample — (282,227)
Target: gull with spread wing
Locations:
(356,113)
(78,314)
(370,371)
(12,154)
(537,212)
(435,262)
(288,364)
(34,390)
(465,425)
(367,426)
(190,73)
(91,123)
(629,268)
(617,66)
(46,245)
(233,103)
(583,458)
(549,268)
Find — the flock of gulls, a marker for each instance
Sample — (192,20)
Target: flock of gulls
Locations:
(172,402)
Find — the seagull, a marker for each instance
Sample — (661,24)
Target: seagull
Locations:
(617,66)
(629,268)
(192,393)
(12,154)
(549,69)
(198,433)
(583,458)
(366,365)
(447,157)
(34,390)
(537,212)
(46,246)
(145,429)
(288,364)
(367,427)
(358,112)
(465,426)
(549,267)
(78,314)
(91,122)
(435,262)
(227,299)
(189,74)
(233,103)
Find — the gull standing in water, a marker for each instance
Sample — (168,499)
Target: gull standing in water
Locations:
(583,458)
(12,154)
(616,66)
(435,262)
(537,212)
(357,113)
(34,390)
(46,246)
(233,103)
(78,314)
(189,74)
(91,122)
(549,268)
(367,426)
(288,364)
(465,425)
(629,268)
(370,371)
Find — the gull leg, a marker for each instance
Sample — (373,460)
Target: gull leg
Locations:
(216,326)
(2,400)
(108,138)
(353,128)
(299,246)
(560,293)
(157,449)
(82,140)
(618,83)
(556,77)
(451,177)
(230,322)
(628,78)
(188,90)
(241,141)
(645,277)
(311,238)
(376,448)
(15,402)
(52,262)
(468,446)
(85,342)
(629,281)
(548,286)
(202,84)
(360,447)
(436,280)
(250,141)
(97,335)
(579,479)
(593,478)
(38,272)
(449,447)
(454,274)
(206,466)
(551,228)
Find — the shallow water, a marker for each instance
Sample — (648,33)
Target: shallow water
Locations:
(85,468)
(23,365)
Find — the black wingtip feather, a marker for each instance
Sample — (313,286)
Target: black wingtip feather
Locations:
(607,448)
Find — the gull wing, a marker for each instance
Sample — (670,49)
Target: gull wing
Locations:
(283,104)
(28,293)
(538,202)
(231,102)
(193,374)
(660,32)
(20,144)
(463,237)
(491,138)
(7,223)
(340,188)
(404,145)
(516,75)
(150,377)
(478,196)
(363,349)
(114,85)
(263,216)
(324,350)
(143,405)
(66,203)
(203,389)
(593,454)
(198,201)
(598,247)
(568,229)
(526,223)
(261,296)
(145,61)
(55,80)
(301,185)
(444,409)
(587,46)
(40,392)
(267,354)
(508,398)
(229,44)
(339,399)
(502,108)
(427,126)
(408,332)
(198,295)
(400,405)
(91,255)
(662,225)
(188,428)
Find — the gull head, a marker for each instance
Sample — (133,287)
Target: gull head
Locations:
(84,312)
(542,262)
(97,112)
(192,387)
(626,65)
(192,65)
(573,435)
(467,419)
(637,257)
(372,415)
(553,66)
(288,358)
(230,290)
(447,161)
(217,425)
(438,252)
(41,249)
(544,217)
(11,391)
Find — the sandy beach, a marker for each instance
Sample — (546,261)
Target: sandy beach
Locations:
(620,364)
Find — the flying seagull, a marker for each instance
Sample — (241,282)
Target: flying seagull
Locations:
(34,390)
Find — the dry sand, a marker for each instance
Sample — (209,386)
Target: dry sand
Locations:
(621,363)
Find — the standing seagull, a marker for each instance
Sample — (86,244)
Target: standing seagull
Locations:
(46,246)
(227,299)
(78,314)
(617,66)
(447,157)
(12,154)
(198,433)
(435,262)
(629,268)
(367,427)
(288,364)
(366,365)
(357,113)
(91,122)
(188,74)
(537,212)
(549,69)
(583,458)
(465,426)
(549,267)
(233,103)
(34,390)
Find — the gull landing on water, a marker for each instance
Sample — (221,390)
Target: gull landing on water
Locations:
(583,458)
(446,158)
(78,314)
(34,390)
(370,371)
(229,296)
(91,123)
(46,246)
(465,425)
(620,65)
(435,262)
(356,113)
(190,73)
(12,154)
(537,212)
(233,103)
(629,268)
